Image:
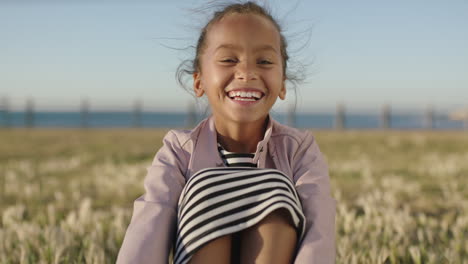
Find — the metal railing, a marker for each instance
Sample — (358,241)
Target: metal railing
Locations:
(341,119)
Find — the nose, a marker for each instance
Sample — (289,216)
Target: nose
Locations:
(246,71)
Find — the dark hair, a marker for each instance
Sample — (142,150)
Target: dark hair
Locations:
(189,67)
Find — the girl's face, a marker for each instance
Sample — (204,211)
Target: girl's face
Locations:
(241,69)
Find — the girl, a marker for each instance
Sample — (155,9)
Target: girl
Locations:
(240,187)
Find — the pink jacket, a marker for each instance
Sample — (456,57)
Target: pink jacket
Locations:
(150,235)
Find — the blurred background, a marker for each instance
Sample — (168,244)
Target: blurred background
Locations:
(367,64)
(385,93)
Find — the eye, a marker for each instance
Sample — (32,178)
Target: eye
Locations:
(229,60)
(265,62)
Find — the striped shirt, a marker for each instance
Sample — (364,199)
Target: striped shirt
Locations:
(234,159)
(216,202)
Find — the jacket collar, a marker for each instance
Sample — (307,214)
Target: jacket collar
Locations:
(205,150)
(262,146)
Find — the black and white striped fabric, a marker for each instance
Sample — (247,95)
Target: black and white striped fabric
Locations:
(234,159)
(221,201)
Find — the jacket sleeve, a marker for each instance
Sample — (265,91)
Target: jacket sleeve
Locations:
(313,186)
(150,235)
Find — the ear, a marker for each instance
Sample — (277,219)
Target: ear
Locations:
(197,86)
(282,93)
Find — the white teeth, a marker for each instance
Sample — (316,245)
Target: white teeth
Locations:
(243,99)
(257,95)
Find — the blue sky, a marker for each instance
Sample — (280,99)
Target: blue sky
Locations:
(363,53)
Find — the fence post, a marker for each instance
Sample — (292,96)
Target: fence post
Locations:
(385,118)
(430,117)
(4,109)
(191,115)
(84,113)
(340,120)
(291,116)
(137,113)
(29,113)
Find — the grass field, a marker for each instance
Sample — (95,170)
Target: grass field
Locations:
(66,196)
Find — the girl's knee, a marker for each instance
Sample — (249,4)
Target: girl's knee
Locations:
(272,240)
(216,251)
(280,217)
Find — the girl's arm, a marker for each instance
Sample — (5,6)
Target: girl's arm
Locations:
(150,235)
(313,186)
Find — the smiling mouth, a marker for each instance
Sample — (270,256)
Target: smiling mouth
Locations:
(250,96)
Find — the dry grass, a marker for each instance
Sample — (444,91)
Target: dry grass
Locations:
(66,195)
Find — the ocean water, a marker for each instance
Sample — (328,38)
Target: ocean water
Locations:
(179,120)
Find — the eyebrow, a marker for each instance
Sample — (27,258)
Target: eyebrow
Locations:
(236,47)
